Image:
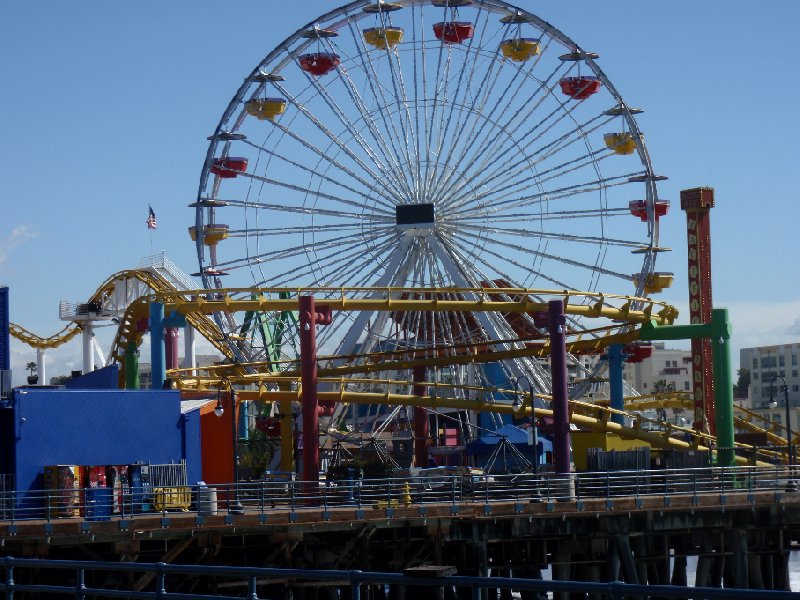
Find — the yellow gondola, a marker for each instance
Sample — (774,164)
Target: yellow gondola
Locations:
(655,282)
(265,108)
(520,49)
(620,143)
(212,233)
(383,37)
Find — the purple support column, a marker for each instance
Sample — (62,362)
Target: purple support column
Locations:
(308,378)
(171,342)
(558,373)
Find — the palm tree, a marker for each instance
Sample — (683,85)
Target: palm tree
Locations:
(31,368)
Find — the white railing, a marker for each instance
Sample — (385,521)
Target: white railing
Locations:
(169,270)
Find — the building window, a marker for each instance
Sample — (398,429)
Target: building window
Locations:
(644,385)
(755,363)
(781,361)
(794,372)
(755,376)
(755,390)
(686,386)
(796,388)
(794,360)
(768,362)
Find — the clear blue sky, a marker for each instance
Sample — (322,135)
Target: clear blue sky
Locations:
(107,107)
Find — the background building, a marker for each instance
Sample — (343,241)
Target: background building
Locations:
(769,367)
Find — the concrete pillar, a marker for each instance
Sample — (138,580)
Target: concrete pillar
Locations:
(189,354)
(41,368)
(88,347)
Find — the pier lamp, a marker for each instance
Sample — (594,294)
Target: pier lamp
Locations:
(234,505)
(520,403)
(773,404)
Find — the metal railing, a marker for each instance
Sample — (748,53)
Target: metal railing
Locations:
(94,504)
(169,270)
(76,579)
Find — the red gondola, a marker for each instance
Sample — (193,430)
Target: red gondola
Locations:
(579,88)
(638,208)
(319,63)
(453,32)
(228,167)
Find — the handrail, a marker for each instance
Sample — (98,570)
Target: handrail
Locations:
(281,492)
(352,579)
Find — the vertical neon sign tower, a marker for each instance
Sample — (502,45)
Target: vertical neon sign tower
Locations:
(698,203)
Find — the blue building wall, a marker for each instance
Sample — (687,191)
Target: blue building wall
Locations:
(89,427)
(191,445)
(106,378)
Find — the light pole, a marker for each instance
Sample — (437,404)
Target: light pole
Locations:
(234,505)
(520,403)
(773,404)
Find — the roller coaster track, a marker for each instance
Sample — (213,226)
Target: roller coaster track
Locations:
(745,420)
(130,328)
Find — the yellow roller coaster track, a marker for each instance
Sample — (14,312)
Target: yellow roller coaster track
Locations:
(127,330)
(585,416)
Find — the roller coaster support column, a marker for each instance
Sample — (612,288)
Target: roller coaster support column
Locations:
(310,317)
(189,356)
(558,373)
(420,421)
(719,332)
(616,361)
(41,368)
(131,367)
(157,362)
(87,336)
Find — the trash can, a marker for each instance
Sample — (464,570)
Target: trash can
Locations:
(206,501)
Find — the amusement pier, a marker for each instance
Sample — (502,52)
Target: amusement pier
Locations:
(421,351)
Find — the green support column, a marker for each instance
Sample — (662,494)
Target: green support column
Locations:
(719,331)
(131,367)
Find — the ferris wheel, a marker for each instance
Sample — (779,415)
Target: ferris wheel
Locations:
(428,144)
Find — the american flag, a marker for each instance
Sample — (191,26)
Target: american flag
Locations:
(151,218)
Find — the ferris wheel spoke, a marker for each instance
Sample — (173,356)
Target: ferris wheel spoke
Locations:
(323,155)
(595,268)
(489,217)
(552,235)
(391,155)
(338,258)
(311,192)
(374,82)
(561,193)
(304,210)
(389,168)
(478,136)
(301,249)
(284,231)
(539,179)
(334,138)
(443,130)
(509,170)
(314,172)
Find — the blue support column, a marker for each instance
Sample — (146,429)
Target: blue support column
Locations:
(158,362)
(616,360)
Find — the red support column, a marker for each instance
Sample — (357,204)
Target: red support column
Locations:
(697,203)
(421,429)
(310,317)
(308,379)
